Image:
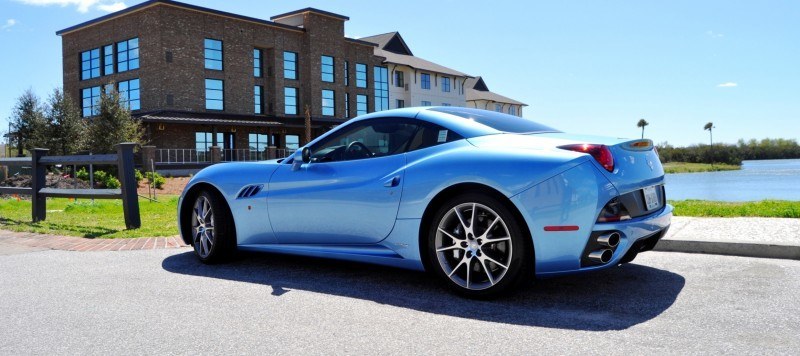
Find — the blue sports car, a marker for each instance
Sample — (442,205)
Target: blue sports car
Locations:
(481,199)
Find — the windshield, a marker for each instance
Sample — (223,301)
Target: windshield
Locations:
(498,121)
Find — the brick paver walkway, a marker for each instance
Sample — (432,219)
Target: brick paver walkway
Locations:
(72,243)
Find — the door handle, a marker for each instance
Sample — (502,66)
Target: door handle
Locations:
(395,181)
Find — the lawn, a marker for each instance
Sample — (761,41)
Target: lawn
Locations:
(98,219)
(764,208)
(684,167)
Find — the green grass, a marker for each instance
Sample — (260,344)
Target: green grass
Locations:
(98,219)
(684,167)
(764,208)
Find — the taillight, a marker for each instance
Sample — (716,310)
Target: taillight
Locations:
(601,153)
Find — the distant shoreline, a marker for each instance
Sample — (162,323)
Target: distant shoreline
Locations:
(685,167)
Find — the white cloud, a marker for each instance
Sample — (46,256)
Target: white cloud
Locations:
(112,7)
(9,24)
(713,34)
(82,6)
(727,85)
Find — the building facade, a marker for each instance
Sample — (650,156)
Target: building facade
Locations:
(414,81)
(479,96)
(198,77)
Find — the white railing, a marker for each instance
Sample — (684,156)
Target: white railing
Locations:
(284,152)
(181,156)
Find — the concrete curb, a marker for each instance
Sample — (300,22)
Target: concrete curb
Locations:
(730,248)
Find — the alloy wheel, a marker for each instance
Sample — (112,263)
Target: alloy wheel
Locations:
(473,246)
(203,227)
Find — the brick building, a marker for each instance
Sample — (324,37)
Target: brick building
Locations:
(198,77)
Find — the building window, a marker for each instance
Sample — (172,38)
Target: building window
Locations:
(381,77)
(91,101)
(292,142)
(400,103)
(258,144)
(213,53)
(425,103)
(425,80)
(346,105)
(289,65)
(361,75)
(327,69)
(258,99)
(445,104)
(361,104)
(512,110)
(346,73)
(328,103)
(214,94)
(399,81)
(446,84)
(498,107)
(90,64)
(108,59)
(128,55)
(290,101)
(129,94)
(203,142)
(257,63)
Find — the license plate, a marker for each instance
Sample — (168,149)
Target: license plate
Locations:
(651,198)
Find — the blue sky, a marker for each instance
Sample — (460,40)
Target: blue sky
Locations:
(591,67)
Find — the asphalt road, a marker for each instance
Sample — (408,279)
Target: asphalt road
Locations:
(165,302)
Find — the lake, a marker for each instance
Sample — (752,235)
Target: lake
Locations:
(757,180)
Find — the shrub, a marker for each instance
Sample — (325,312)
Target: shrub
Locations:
(82,174)
(157,180)
(139,176)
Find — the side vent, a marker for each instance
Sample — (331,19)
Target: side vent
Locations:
(249,191)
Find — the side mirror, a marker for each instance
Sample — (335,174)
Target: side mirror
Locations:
(306,155)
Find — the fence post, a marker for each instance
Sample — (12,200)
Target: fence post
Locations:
(38,181)
(127,179)
(216,154)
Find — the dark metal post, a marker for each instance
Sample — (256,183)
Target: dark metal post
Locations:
(127,178)
(38,180)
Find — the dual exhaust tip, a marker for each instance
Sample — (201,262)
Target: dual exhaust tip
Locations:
(603,256)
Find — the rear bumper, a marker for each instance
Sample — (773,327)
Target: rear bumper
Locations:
(638,235)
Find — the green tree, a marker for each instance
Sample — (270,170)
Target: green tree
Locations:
(65,127)
(642,123)
(710,126)
(112,125)
(28,122)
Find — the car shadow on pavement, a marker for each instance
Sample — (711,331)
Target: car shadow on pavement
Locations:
(612,299)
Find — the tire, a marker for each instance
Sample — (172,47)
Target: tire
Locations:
(485,260)
(210,227)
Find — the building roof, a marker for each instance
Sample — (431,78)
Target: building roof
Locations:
(391,41)
(310,9)
(477,90)
(151,3)
(185,117)
(392,47)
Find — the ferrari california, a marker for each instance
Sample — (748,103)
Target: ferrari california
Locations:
(483,200)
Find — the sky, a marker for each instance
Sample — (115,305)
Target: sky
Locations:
(591,67)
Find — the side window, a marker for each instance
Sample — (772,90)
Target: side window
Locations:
(372,138)
(430,135)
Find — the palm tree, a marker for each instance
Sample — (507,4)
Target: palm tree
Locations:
(642,123)
(709,126)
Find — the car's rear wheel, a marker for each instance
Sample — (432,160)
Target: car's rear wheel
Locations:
(475,244)
(212,233)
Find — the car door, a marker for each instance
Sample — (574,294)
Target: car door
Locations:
(350,191)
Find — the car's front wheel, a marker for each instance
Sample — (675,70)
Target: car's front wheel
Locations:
(211,228)
(475,245)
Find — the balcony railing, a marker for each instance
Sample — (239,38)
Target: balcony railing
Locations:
(182,156)
(193,156)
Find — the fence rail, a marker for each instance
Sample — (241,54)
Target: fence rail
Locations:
(39,192)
